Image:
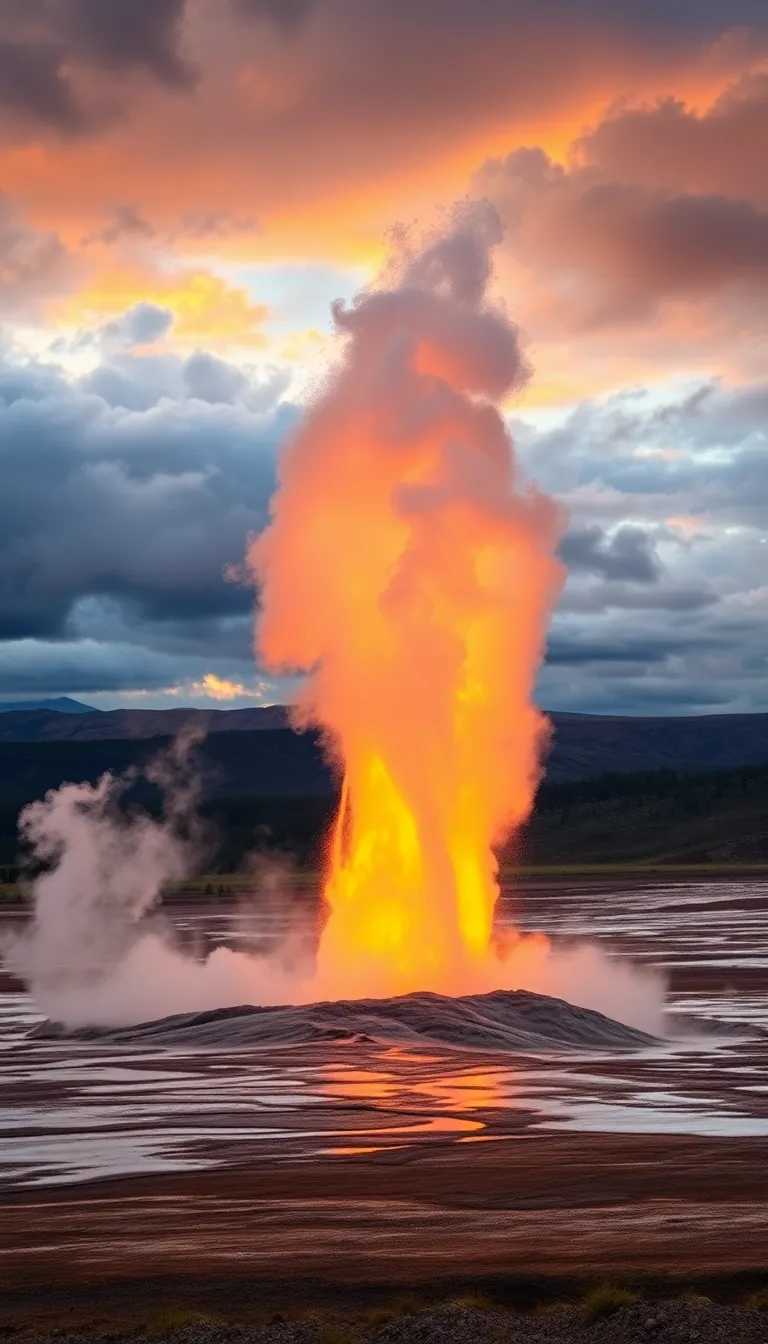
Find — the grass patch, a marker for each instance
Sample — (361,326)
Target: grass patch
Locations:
(334,1333)
(409,1304)
(177,1318)
(376,1317)
(605,1301)
(758,1300)
(473,1302)
(552,1308)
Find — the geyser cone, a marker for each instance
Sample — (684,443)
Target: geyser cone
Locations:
(409,570)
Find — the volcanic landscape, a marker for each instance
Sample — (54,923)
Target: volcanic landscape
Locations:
(299,1145)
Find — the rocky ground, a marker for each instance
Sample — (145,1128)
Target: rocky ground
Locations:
(604,1317)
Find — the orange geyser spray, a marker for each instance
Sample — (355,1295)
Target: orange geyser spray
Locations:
(409,570)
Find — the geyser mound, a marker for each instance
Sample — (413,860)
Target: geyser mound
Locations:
(518,1021)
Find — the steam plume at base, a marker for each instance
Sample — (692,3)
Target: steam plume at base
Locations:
(97,953)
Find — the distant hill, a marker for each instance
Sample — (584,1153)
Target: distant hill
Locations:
(280,763)
(62,705)
(585,745)
(42,725)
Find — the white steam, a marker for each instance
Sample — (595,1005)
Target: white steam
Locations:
(97,951)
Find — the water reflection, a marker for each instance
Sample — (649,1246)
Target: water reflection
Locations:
(75,1112)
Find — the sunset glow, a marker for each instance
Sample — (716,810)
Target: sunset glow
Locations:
(186,192)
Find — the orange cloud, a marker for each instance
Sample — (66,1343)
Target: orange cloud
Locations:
(204,306)
(309,145)
(218,688)
(369,113)
(686,524)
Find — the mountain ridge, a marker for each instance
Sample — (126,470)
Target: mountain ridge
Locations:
(61,704)
(584,745)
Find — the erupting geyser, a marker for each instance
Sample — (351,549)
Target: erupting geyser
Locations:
(409,569)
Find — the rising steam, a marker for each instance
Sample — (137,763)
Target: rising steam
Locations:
(410,570)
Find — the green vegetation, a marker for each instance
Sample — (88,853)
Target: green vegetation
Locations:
(605,1301)
(652,817)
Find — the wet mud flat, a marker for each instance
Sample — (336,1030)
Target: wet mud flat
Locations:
(137,1175)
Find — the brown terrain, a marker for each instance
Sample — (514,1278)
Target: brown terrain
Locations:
(367,1240)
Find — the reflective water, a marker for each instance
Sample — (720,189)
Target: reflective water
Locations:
(81,1111)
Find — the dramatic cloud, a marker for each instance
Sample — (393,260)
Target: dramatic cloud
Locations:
(628,554)
(34,83)
(45,45)
(33,266)
(306,134)
(128,491)
(611,251)
(144,506)
(123,34)
(671,146)
(190,183)
(287,14)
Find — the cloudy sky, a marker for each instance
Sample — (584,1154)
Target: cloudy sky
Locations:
(186,187)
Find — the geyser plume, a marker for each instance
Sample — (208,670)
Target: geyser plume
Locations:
(410,570)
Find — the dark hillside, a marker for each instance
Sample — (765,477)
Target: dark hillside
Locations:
(585,745)
(653,816)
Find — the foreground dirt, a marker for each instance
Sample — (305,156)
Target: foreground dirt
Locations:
(531,1219)
(675,1322)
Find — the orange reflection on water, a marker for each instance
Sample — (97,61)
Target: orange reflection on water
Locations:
(472,1091)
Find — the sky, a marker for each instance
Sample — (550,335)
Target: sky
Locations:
(186,186)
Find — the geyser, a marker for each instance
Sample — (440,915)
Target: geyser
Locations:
(409,570)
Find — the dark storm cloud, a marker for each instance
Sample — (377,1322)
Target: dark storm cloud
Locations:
(44,42)
(628,554)
(673,596)
(702,454)
(127,34)
(690,474)
(116,525)
(34,83)
(623,647)
(610,666)
(286,14)
(512,54)
(146,507)
(41,668)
